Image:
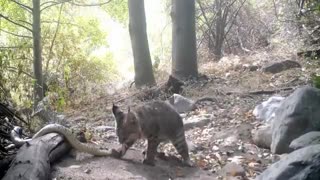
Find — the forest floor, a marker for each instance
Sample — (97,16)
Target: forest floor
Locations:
(224,138)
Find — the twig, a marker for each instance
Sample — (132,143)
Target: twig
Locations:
(17,35)
(53,39)
(263,91)
(97,4)
(13,22)
(14,47)
(29,9)
(53,4)
(17,70)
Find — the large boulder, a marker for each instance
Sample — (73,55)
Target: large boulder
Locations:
(181,104)
(266,110)
(298,114)
(302,164)
(305,140)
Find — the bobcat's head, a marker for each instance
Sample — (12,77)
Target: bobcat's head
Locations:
(127,126)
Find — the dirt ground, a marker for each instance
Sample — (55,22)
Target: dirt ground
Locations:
(225,138)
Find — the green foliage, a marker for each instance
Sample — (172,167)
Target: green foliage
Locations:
(118,10)
(316,81)
(68,53)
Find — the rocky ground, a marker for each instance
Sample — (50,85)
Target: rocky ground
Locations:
(219,131)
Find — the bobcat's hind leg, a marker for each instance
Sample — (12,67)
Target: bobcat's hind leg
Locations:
(181,146)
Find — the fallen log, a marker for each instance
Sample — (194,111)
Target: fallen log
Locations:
(33,159)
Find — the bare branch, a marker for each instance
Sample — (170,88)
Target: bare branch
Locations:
(206,20)
(22,36)
(66,23)
(234,17)
(53,4)
(53,39)
(14,47)
(97,4)
(29,9)
(48,2)
(14,69)
(25,22)
(13,22)
(71,2)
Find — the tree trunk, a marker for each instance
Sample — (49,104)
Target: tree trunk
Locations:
(219,31)
(37,60)
(184,52)
(33,159)
(139,41)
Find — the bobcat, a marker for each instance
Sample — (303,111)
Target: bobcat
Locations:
(156,121)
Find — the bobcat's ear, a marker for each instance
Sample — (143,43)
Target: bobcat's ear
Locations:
(118,114)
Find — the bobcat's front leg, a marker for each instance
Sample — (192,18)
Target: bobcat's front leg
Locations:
(151,152)
(122,150)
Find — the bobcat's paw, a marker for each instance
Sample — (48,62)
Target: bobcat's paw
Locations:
(116,154)
(188,163)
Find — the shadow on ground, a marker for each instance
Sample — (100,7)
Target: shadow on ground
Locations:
(130,167)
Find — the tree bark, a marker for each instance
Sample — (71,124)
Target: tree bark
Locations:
(139,41)
(37,59)
(184,52)
(220,25)
(33,159)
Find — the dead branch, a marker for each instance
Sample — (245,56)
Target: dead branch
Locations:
(263,91)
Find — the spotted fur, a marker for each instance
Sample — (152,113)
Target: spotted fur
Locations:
(156,121)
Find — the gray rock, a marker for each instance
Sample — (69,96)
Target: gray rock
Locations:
(305,140)
(298,114)
(195,121)
(302,164)
(181,104)
(233,169)
(266,110)
(262,137)
(276,67)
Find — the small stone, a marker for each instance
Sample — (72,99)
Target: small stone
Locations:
(229,153)
(87,171)
(253,164)
(233,169)
(74,166)
(215,148)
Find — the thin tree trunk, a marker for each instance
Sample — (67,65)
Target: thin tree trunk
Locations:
(37,60)
(219,31)
(139,41)
(184,50)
